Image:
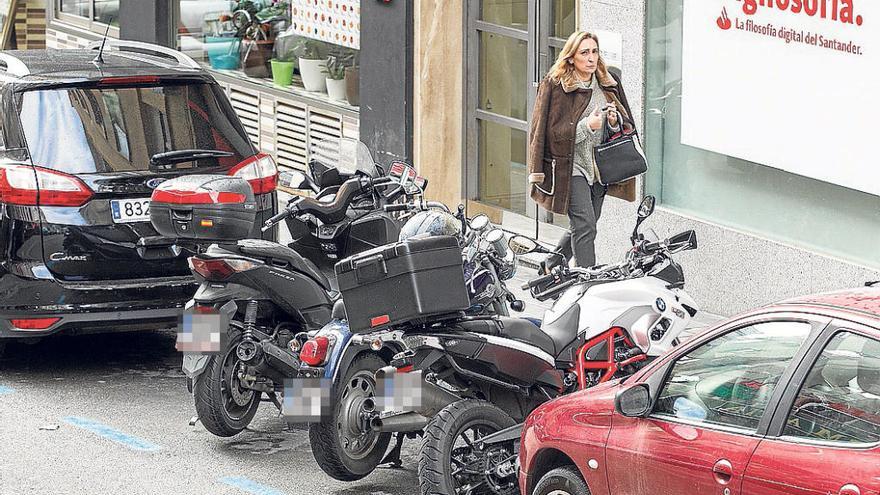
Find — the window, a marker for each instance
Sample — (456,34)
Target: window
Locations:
(840,399)
(507,53)
(729,380)
(214,33)
(91,14)
(107,130)
(747,196)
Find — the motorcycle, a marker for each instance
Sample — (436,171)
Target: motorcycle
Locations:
(479,378)
(344,444)
(260,294)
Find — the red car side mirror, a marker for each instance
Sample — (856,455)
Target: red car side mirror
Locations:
(634,402)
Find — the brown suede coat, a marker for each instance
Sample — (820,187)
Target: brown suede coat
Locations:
(551,142)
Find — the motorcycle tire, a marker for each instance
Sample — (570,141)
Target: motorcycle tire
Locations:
(342,449)
(438,474)
(222,414)
(562,481)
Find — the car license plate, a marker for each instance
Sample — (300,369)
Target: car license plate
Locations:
(130,210)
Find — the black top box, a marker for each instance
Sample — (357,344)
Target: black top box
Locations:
(214,208)
(402,282)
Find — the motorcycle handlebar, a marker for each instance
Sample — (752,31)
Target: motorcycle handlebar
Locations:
(653,246)
(437,204)
(415,206)
(531,284)
(547,294)
(277,218)
(397,207)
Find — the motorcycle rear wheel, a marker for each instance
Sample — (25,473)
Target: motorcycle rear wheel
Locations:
(340,446)
(448,463)
(223,406)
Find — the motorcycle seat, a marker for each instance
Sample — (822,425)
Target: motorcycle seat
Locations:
(563,330)
(518,329)
(268,250)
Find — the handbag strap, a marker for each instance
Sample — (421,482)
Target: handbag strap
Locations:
(606,129)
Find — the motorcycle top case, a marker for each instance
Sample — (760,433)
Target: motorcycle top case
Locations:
(214,208)
(402,282)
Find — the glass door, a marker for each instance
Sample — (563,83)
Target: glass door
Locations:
(510,47)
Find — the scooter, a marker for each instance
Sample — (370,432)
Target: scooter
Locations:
(260,294)
(482,376)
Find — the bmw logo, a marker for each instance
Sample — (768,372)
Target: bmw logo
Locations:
(154,183)
(661,304)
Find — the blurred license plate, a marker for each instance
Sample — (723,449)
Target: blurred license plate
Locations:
(130,210)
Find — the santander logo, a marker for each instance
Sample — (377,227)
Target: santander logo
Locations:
(724,21)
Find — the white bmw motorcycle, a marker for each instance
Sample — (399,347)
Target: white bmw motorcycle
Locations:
(481,377)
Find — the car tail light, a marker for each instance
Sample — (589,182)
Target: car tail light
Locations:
(125,80)
(260,171)
(35,186)
(220,269)
(314,351)
(175,197)
(34,323)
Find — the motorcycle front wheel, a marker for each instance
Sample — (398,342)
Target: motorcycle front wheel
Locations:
(223,406)
(449,463)
(341,446)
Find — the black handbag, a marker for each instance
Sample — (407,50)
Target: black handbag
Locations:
(620,156)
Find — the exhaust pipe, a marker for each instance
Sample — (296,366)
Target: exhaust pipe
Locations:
(401,423)
(433,397)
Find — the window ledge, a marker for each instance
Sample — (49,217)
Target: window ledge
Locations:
(315,99)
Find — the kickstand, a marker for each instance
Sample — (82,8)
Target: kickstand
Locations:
(393,457)
(274,399)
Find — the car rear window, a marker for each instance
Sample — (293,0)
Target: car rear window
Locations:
(117,129)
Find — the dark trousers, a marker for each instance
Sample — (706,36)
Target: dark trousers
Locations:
(584,209)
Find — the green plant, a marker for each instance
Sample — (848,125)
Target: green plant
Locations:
(276,10)
(309,49)
(284,55)
(335,68)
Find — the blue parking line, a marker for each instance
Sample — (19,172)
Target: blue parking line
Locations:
(109,433)
(249,485)
(6,390)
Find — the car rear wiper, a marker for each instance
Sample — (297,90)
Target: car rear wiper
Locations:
(179,156)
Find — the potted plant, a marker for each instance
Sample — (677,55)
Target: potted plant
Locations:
(312,64)
(282,67)
(335,78)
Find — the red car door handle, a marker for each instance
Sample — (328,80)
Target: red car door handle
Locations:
(723,471)
(849,490)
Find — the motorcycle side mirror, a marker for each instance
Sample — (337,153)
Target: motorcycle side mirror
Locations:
(479,222)
(686,240)
(522,245)
(646,208)
(634,402)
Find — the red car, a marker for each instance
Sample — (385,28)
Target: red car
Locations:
(782,400)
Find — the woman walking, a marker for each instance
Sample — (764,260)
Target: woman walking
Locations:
(573,101)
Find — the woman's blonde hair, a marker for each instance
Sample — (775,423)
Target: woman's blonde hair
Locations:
(563,72)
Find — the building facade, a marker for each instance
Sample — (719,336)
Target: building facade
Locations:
(765,233)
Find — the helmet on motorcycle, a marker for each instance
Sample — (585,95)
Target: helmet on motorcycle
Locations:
(430,223)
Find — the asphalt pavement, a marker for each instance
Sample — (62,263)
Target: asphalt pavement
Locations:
(110,414)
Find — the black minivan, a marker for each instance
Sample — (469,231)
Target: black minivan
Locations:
(83,143)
